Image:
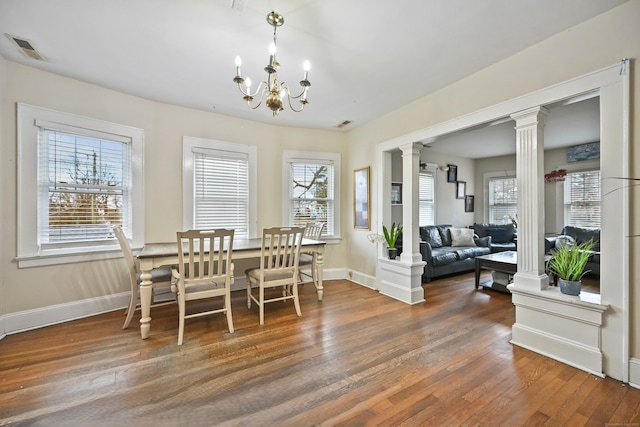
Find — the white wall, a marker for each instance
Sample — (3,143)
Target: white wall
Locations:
(593,45)
(164,126)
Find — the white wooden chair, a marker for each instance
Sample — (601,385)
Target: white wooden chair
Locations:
(278,267)
(161,277)
(204,270)
(313,231)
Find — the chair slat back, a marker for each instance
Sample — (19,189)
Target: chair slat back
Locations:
(281,248)
(204,255)
(128,255)
(313,230)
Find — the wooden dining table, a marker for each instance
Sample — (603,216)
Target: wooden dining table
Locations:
(155,255)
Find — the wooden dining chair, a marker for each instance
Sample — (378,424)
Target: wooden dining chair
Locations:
(204,271)
(278,267)
(313,231)
(161,278)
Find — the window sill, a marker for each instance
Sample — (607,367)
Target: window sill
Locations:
(69,257)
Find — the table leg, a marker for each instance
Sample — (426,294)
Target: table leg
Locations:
(478,268)
(146,292)
(319,267)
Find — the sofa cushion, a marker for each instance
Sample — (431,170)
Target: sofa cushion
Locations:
(462,237)
(443,256)
(583,234)
(433,237)
(481,231)
(499,234)
(464,253)
(445,234)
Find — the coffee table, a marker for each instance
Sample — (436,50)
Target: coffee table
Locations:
(505,262)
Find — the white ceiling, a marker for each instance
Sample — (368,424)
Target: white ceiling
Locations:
(368,57)
(573,122)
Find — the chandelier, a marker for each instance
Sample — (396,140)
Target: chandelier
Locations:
(274,92)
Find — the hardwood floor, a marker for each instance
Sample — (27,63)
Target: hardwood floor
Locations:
(356,358)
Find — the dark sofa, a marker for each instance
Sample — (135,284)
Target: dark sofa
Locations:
(442,258)
(579,235)
(503,236)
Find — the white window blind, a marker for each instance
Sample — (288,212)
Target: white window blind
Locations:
(221,190)
(503,199)
(426,197)
(84,187)
(311,193)
(582,199)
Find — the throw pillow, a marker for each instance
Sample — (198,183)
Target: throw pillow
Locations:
(498,235)
(562,241)
(462,237)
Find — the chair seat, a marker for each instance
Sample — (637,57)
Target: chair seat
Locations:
(305,259)
(269,276)
(160,274)
(203,287)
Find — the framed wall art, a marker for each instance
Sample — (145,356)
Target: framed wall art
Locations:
(461,189)
(396,193)
(361,208)
(452,173)
(468,203)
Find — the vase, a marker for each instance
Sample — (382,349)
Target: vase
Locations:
(569,287)
(393,253)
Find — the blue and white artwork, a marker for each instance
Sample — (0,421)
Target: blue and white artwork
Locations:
(583,152)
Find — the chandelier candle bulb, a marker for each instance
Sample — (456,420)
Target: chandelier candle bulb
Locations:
(238,64)
(272,53)
(307,67)
(247,82)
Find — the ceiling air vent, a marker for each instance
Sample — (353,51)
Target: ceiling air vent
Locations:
(343,124)
(26,47)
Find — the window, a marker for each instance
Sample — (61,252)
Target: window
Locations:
(503,199)
(582,199)
(77,177)
(311,189)
(426,196)
(219,186)
(85,184)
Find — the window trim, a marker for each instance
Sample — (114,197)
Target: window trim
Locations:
(28,252)
(190,142)
(290,155)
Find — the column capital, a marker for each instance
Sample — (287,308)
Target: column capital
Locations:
(530,116)
(412,148)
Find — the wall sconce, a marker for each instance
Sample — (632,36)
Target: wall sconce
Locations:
(444,168)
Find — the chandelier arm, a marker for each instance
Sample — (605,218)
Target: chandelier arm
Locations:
(289,98)
(253,107)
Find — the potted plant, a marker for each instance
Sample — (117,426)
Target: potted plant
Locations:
(568,264)
(391,236)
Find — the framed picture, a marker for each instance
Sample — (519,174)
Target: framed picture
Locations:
(396,193)
(361,211)
(461,189)
(452,173)
(468,203)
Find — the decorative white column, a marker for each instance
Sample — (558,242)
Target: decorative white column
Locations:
(402,278)
(530,175)
(410,204)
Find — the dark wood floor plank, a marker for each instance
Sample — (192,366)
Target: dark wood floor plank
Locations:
(355,358)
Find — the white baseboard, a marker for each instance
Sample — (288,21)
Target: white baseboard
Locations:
(60,313)
(634,372)
(27,320)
